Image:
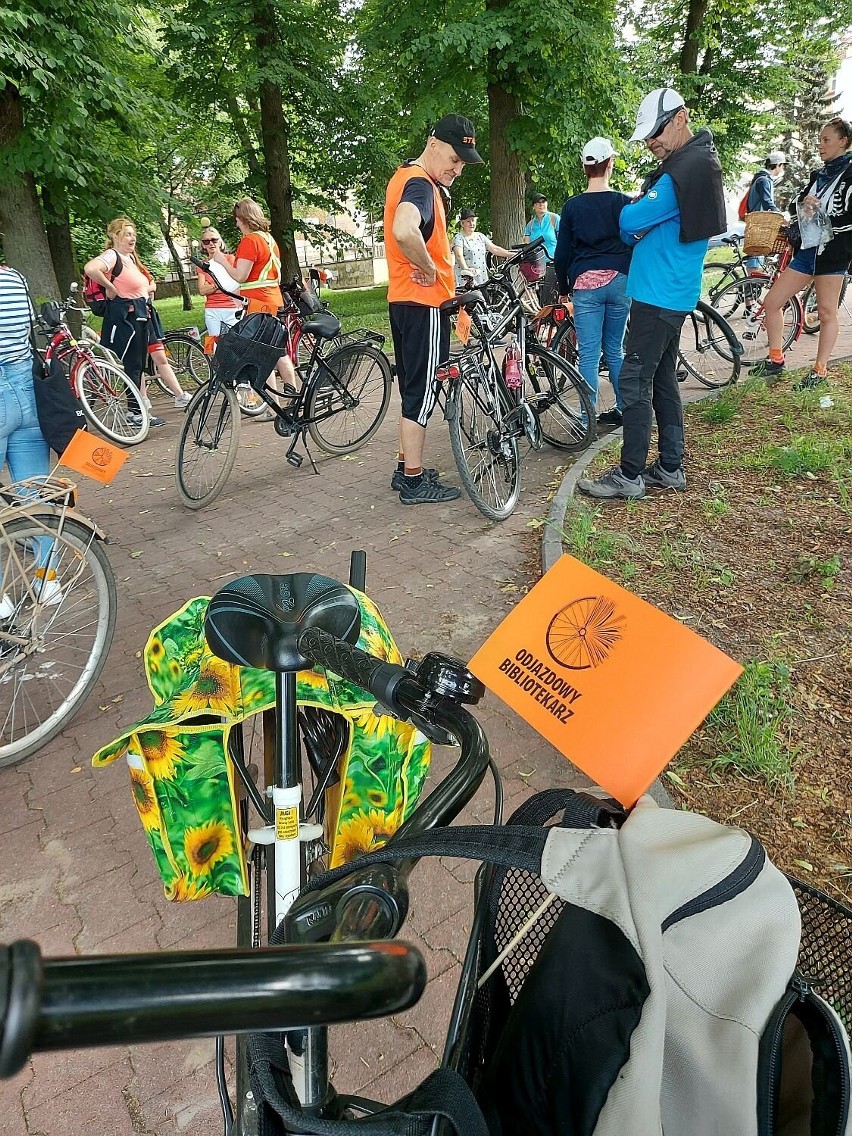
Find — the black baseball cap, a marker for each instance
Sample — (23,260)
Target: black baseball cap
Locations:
(459,132)
(536,197)
(466,214)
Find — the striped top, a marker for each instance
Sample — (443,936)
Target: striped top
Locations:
(15,345)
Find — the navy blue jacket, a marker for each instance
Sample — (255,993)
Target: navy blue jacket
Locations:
(589,238)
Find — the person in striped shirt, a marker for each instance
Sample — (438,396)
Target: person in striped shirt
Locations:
(22,445)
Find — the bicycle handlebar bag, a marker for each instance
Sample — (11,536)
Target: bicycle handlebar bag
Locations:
(183,780)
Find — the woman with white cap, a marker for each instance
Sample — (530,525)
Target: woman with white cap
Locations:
(591,262)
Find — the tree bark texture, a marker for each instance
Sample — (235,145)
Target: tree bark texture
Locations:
(695,15)
(508,215)
(244,134)
(22,232)
(178,265)
(57,224)
(274,132)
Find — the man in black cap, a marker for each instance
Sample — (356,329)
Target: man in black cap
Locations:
(420,279)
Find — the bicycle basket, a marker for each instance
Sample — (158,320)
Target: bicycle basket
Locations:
(533,265)
(761,232)
(307,303)
(249,351)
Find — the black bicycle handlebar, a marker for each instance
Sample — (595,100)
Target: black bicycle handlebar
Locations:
(74,1003)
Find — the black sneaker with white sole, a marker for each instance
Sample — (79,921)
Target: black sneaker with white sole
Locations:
(427,491)
(768,369)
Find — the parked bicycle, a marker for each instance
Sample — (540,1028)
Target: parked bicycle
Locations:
(57,612)
(101,385)
(492,411)
(343,399)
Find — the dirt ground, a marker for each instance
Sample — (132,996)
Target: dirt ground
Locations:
(756,556)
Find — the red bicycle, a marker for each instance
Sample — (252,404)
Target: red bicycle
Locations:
(101,386)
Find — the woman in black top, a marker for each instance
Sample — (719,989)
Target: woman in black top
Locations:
(591,261)
(829,188)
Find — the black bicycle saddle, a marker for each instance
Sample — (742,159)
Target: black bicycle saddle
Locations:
(256,621)
(462,300)
(323,325)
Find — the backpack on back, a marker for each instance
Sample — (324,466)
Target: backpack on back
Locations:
(742,208)
(94,293)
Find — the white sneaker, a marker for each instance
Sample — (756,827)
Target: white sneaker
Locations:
(7,608)
(48,592)
(182,400)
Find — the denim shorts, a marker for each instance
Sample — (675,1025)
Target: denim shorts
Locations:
(804,261)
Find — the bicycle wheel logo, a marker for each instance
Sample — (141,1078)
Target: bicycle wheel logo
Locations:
(583,633)
(101,457)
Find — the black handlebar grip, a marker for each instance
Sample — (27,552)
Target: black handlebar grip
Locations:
(376,677)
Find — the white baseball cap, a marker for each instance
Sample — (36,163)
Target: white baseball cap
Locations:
(654,111)
(597,150)
(776,158)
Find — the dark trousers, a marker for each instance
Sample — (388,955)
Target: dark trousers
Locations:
(125,331)
(648,380)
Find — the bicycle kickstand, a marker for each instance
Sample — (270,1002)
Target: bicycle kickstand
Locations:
(296,459)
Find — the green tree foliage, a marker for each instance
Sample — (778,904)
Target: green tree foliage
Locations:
(544,74)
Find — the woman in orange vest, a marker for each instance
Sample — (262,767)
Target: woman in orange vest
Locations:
(258,270)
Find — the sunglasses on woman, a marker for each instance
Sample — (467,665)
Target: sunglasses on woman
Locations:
(210,241)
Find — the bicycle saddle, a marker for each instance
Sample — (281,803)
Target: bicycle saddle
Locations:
(463,300)
(323,325)
(255,621)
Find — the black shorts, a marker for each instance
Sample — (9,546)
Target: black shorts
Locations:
(421,341)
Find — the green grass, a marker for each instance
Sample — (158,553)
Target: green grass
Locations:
(751,725)
(808,454)
(601,550)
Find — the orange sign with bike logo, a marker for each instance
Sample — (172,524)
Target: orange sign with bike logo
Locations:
(92,457)
(615,684)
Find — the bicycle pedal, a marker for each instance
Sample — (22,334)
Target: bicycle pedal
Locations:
(295,460)
(750,335)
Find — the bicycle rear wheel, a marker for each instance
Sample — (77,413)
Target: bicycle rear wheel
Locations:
(52,652)
(189,362)
(746,298)
(103,390)
(715,275)
(708,349)
(561,400)
(484,447)
(208,444)
(348,410)
(811,312)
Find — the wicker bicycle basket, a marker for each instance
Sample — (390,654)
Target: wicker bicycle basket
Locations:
(762,233)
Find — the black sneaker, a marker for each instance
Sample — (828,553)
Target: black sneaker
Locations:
(398,479)
(811,382)
(609,420)
(657,476)
(428,491)
(768,369)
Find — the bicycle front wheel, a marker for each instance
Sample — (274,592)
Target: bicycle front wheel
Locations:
(103,390)
(715,275)
(746,299)
(52,650)
(484,447)
(708,349)
(561,400)
(208,444)
(345,411)
(189,362)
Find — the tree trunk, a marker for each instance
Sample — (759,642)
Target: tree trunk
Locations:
(274,133)
(507,179)
(57,225)
(21,227)
(178,263)
(241,129)
(695,15)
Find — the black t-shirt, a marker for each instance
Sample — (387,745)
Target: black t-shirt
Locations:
(420,192)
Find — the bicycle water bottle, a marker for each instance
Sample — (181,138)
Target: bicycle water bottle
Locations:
(512,366)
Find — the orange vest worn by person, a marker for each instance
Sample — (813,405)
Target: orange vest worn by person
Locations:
(401,288)
(262,285)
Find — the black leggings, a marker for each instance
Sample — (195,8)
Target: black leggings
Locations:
(125,332)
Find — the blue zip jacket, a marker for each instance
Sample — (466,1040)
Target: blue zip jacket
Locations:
(663,272)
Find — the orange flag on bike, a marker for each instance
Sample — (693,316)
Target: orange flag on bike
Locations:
(89,455)
(615,684)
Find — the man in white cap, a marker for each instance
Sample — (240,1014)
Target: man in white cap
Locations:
(761,193)
(681,206)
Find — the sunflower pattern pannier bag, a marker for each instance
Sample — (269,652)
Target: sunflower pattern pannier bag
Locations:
(183,781)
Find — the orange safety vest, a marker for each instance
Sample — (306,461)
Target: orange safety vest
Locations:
(401,288)
(265,278)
